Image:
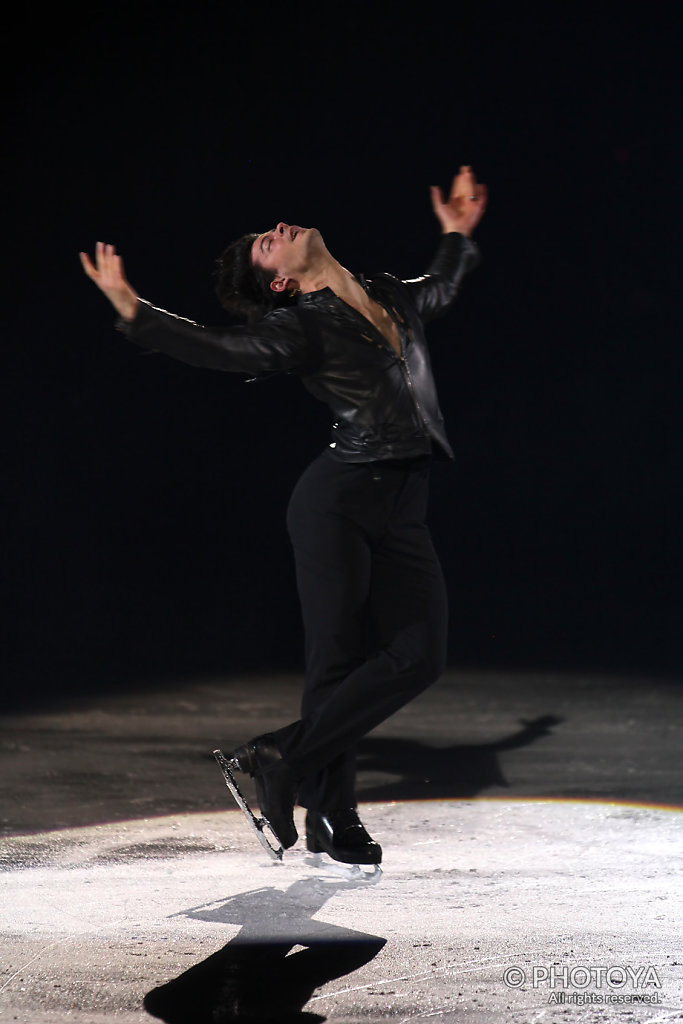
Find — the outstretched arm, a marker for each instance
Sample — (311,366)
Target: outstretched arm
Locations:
(275,344)
(457,254)
(109,276)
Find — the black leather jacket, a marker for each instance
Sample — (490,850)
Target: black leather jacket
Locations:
(384,406)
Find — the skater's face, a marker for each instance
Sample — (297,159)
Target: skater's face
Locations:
(287,251)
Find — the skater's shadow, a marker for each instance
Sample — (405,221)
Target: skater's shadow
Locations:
(257,977)
(432,773)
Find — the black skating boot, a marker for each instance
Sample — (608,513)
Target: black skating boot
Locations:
(342,835)
(275,785)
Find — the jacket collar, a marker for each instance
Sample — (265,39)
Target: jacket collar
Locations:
(327,293)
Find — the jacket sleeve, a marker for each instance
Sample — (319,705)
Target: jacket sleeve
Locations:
(435,291)
(275,344)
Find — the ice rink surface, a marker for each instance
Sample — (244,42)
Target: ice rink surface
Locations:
(532,871)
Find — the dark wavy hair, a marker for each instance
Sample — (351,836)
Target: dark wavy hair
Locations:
(243,288)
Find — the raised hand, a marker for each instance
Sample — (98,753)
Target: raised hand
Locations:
(109,276)
(465,205)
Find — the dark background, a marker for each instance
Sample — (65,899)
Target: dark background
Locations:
(146,498)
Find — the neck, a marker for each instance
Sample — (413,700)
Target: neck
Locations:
(330,274)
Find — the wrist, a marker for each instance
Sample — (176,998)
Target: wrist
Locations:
(126,305)
(467,232)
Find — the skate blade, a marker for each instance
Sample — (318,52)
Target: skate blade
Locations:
(369,874)
(259,825)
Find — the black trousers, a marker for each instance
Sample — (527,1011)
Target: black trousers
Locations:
(374,609)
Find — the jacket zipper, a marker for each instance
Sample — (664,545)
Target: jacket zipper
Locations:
(403,362)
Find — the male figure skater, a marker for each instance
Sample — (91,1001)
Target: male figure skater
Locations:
(371,588)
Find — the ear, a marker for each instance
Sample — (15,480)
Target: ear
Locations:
(283,284)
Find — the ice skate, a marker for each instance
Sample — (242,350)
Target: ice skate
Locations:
(342,836)
(362,874)
(259,825)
